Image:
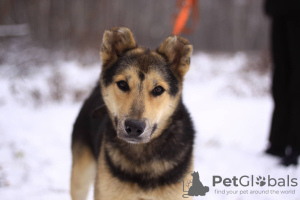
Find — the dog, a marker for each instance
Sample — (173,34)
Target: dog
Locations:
(133,137)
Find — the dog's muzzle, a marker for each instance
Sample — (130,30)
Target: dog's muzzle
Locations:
(134,131)
(134,127)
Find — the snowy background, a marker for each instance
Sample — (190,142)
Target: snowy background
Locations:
(227,95)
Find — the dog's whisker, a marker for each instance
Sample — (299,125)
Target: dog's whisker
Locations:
(171,106)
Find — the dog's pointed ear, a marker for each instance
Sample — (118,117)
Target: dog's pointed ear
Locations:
(178,51)
(115,42)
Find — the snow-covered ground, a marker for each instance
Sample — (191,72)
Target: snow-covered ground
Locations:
(229,103)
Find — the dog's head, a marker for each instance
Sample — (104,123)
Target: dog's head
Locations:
(141,88)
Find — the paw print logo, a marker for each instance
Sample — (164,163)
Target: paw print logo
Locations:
(261,181)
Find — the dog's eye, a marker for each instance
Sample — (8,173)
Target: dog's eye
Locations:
(123,85)
(157,91)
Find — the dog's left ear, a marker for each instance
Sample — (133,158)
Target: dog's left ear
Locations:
(178,51)
(115,42)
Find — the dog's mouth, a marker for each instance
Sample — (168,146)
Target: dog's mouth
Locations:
(133,140)
(135,131)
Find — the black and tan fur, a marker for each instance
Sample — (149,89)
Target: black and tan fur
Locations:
(133,137)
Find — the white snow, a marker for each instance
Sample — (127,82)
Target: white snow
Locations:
(230,109)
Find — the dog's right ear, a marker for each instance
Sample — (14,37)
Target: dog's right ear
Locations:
(115,42)
(178,52)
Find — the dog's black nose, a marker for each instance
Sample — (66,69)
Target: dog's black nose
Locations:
(134,127)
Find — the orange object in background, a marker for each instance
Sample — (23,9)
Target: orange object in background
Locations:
(187,6)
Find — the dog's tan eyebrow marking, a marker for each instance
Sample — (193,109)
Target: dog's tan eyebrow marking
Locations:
(128,77)
(154,83)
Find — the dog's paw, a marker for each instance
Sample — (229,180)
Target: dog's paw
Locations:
(261,181)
